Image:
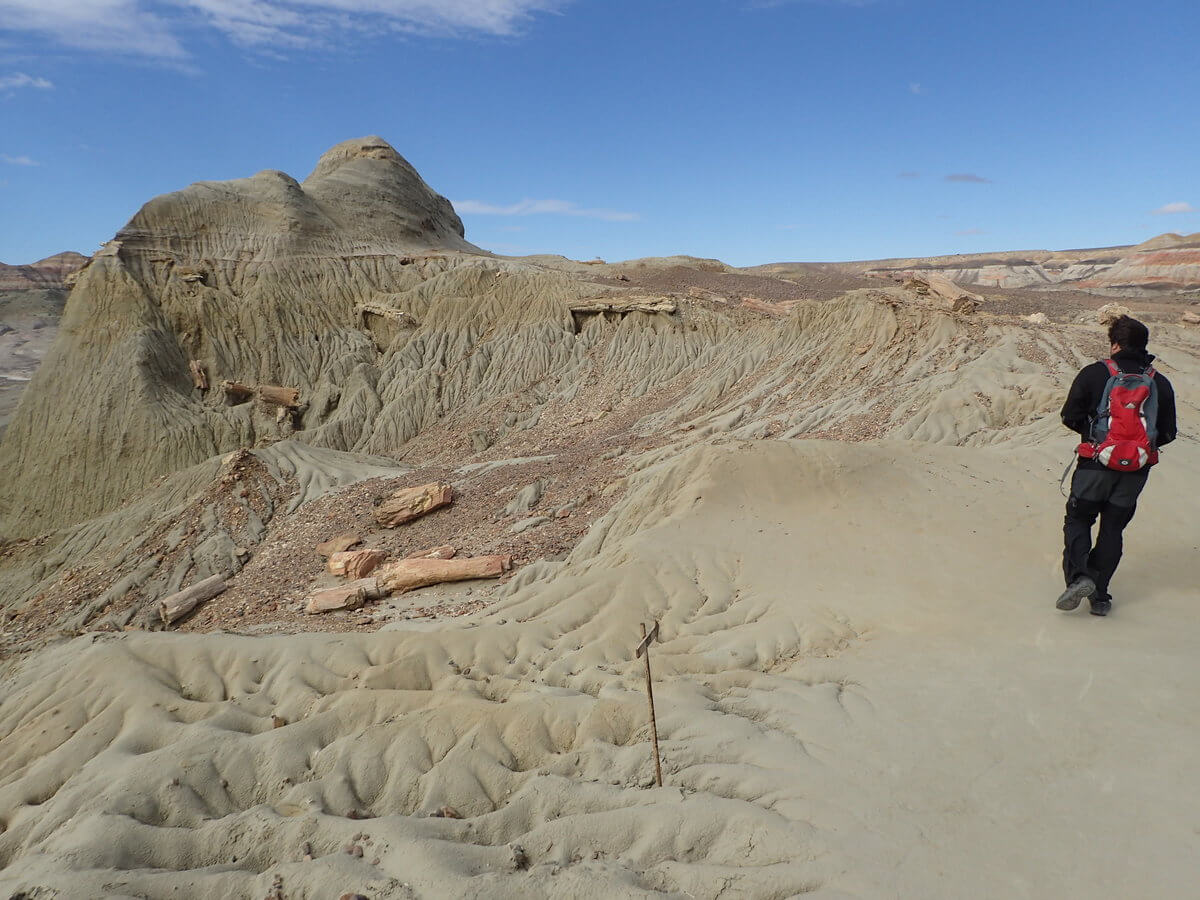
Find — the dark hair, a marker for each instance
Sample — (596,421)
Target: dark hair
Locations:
(1128,334)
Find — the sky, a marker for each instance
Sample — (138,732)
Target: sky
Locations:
(748,130)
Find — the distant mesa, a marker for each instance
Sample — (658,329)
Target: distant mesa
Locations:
(49,273)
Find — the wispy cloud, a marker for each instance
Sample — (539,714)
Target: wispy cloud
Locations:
(968,178)
(914,87)
(909,175)
(541,207)
(18,160)
(1169,209)
(966,232)
(152,28)
(21,80)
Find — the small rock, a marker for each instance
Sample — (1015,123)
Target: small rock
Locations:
(357,851)
(1110,312)
(1038,318)
(278,721)
(526,524)
(446,812)
(520,859)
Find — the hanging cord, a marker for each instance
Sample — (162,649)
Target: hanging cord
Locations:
(1062,482)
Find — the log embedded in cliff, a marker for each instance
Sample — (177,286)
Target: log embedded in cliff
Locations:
(236,392)
(624,305)
(355,564)
(410,574)
(179,605)
(286,397)
(199,376)
(407,504)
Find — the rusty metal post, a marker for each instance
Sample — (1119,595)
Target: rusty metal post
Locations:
(644,650)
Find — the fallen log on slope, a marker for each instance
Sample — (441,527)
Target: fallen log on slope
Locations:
(407,504)
(355,564)
(180,604)
(345,596)
(410,574)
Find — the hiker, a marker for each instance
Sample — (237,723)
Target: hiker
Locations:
(1124,411)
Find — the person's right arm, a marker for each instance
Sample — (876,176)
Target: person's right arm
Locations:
(1077,411)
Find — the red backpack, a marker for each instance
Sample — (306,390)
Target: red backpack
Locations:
(1124,430)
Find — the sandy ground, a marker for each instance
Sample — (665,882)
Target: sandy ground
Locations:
(864,691)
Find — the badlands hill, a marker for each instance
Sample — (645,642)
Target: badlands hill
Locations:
(836,494)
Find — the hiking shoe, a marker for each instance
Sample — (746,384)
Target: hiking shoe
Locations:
(1080,588)
(1101,607)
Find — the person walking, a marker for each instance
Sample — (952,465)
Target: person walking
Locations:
(1124,412)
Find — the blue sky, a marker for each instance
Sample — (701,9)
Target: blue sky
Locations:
(749,130)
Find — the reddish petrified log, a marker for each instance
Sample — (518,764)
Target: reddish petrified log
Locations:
(410,574)
(346,596)
(355,564)
(338,544)
(236,392)
(407,504)
(443,552)
(287,397)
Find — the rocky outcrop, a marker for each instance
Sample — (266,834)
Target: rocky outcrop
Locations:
(1167,263)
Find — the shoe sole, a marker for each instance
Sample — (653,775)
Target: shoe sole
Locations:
(1100,612)
(1073,596)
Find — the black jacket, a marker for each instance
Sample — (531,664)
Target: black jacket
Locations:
(1088,388)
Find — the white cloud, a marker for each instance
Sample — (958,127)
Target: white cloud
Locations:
(155,28)
(968,178)
(1173,208)
(18,160)
(914,87)
(21,80)
(541,207)
(967,232)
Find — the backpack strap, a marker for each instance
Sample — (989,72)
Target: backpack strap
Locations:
(1150,373)
(1113,369)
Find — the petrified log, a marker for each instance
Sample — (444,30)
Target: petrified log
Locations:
(346,596)
(443,552)
(236,392)
(199,376)
(407,504)
(280,396)
(1190,318)
(624,305)
(338,544)
(178,605)
(410,574)
(355,564)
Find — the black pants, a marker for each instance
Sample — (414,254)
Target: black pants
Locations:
(1113,497)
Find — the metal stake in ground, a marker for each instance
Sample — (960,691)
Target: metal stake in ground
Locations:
(644,650)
